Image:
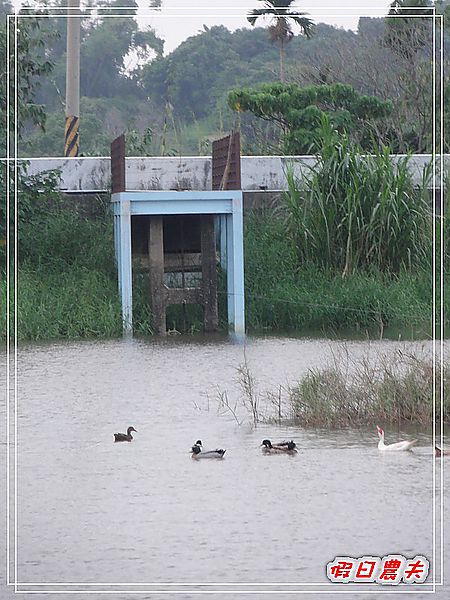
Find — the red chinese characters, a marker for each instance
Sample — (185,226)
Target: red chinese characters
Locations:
(388,570)
(341,569)
(392,567)
(416,570)
(367,568)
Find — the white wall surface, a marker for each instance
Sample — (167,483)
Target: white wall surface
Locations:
(186,172)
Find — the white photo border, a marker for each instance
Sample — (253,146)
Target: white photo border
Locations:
(12,390)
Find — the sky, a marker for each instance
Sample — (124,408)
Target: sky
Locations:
(179,19)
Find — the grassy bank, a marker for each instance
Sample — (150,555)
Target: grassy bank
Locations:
(351,248)
(67,286)
(67,282)
(283,296)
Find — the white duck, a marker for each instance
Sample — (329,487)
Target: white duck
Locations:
(397,447)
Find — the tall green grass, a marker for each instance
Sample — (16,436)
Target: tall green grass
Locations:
(358,212)
(72,303)
(283,294)
(66,279)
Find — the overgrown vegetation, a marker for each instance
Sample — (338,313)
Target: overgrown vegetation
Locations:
(356,211)
(352,390)
(283,295)
(66,280)
(393,389)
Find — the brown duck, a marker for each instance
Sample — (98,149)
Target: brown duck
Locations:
(124,437)
(440,451)
(280,448)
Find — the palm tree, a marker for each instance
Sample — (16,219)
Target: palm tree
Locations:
(280,30)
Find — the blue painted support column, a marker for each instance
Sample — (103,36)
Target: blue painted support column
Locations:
(230,271)
(125,265)
(235,268)
(116,218)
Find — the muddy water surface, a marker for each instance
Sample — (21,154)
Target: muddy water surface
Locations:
(93,512)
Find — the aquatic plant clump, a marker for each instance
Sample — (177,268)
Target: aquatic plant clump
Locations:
(392,387)
(396,389)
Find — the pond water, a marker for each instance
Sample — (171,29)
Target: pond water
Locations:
(144,517)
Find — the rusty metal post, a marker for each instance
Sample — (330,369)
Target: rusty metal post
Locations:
(118,182)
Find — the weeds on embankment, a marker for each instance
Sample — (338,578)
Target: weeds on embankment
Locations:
(66,286)
(354,211)
(350,249)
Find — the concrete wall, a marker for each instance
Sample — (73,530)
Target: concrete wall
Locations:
(186,173)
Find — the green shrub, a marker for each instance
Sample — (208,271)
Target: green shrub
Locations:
(358,211)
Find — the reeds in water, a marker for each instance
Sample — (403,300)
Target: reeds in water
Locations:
(392,389)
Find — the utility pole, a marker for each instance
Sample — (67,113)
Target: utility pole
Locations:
(71,139)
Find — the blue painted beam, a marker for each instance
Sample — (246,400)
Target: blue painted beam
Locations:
(175,207)
(236,242)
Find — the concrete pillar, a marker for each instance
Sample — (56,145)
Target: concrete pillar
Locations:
(117,246)
(125,265)
(230,270)
(235,269)
(209,275)
(156,273)
(222,219)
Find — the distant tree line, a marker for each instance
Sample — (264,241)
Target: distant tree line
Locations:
(376,83)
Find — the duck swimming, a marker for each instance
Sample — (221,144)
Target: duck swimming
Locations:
(197,451)
(124,437)
(280,448)
(396,447)
(440,451)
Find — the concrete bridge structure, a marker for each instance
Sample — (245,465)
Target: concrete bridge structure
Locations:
(185,173)
(161,194)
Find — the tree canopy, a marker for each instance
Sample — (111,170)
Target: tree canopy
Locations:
(299,111)
(127,83)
